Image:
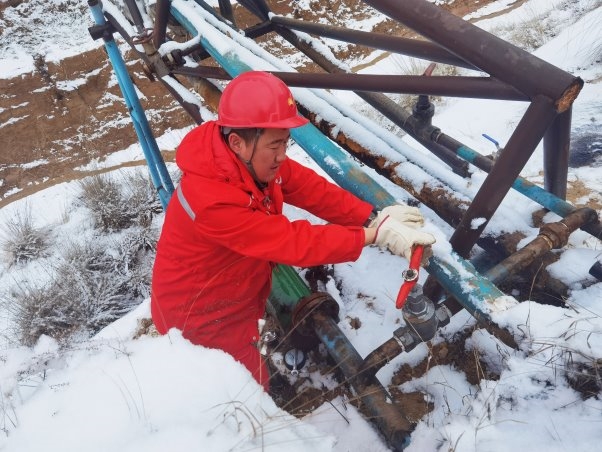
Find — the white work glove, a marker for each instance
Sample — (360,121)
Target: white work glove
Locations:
(410,216)
(400,238)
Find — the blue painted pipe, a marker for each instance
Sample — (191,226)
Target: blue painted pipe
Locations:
(530,190)
(158,171)
(458,277)
(374,397)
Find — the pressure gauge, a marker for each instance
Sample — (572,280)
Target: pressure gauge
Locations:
(294,360)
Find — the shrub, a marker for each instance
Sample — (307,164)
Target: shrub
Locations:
(102,196)
(96,282)
(22,241)
(92,286)
(41,310)
(141,198)
(118,205)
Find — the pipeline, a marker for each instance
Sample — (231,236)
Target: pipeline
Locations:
(551,236)
(416,124)
(312,317)
(556,138)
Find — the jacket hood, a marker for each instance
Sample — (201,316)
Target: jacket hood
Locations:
(203,152)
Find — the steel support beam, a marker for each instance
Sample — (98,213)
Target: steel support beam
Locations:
(517,152)
(412,47)
(492,55)
(556,146)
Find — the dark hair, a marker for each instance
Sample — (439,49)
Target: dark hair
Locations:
(248,135)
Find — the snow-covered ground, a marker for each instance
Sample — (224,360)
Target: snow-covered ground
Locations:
(117,393)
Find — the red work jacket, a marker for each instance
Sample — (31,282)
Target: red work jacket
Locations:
(222,234)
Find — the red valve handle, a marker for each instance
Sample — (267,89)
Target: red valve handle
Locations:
(410,276)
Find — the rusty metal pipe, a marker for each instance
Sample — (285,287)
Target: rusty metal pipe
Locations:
(517,152)
(404,339)
(161,18)
(225,9)
(471,87)
(374,397)
(132,7)
(556,146)
(493,55)
(551,236)
(412,47)
(258,7)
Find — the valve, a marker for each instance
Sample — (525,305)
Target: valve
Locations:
(498,148)
(410,276)
(424,109)
(294,360)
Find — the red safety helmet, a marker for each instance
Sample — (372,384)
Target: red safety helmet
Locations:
(258,99)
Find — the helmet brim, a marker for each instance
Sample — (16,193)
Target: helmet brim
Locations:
(288,123)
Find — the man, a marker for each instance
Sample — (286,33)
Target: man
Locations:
(224,229)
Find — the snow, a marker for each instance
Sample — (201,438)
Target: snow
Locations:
(117,392)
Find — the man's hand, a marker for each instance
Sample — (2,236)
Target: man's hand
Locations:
(409,216)
(400,238)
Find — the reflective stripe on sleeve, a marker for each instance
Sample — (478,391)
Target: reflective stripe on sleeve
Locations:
(184,203)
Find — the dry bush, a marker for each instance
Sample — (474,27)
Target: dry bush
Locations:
(21,240)
(41,311)
(102,196)
(116,205)
(97,282)
(141,198)
(93,285)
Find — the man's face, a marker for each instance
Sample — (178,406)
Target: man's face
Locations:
(270,152)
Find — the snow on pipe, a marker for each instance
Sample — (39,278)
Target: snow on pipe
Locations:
(158,171)
(456,275)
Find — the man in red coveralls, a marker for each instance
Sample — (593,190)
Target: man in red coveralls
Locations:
(224,228)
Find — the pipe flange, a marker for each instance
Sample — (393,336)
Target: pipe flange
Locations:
(303,335)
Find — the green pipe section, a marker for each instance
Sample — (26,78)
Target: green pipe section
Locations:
(287,289)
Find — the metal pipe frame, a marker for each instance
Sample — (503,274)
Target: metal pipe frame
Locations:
(158,172)
(556,145)
(493,55)
(412,47)
(471,87)
(520,147)
(161,17)
(562,85)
